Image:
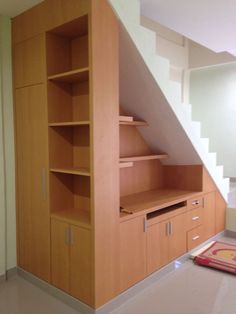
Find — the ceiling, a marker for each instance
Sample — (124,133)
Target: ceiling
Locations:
(210,23)
(14,7)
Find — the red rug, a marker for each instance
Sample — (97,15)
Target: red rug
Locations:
(219,255)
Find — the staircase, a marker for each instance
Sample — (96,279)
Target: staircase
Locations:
(147,92)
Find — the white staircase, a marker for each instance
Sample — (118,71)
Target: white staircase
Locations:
(145,42)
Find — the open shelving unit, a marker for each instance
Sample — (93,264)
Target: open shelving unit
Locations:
(69,121)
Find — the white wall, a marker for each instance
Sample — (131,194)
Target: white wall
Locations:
(200,56)
(213,97)
(174,47)
(7,162)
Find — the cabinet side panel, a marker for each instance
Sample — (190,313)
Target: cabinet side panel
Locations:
(105,149)
(220,212)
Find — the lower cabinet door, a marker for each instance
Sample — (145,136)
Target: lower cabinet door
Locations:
(80,264)
(60,255)
(132,252)
(177,236)
(157,246)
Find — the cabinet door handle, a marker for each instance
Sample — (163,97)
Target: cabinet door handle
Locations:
(71,236)
(43,184)
(145,224)
(167,229)
(195,218)
(171,228)
(196,202)
(196,238)
(67,238)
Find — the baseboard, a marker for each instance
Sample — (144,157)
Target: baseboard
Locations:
(120,299)
(9,274)
(59,294)
(230,234)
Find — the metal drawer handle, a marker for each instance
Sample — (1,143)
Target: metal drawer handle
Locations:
(145,224)
(195,238)
(196,202)
(67,234)
(195,218)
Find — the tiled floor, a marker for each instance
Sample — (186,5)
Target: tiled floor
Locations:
(190,289)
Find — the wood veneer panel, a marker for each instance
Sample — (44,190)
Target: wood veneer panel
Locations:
(60,254)
(29,62)
(81,265)
(105,144)
(143,176)
(47,15)
(220,212)
(188,177)
(33,221)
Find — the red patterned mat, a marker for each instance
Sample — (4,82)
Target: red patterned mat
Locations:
(219,255)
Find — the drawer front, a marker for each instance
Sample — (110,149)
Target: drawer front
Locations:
(194,237)
(194,218)
(195,202)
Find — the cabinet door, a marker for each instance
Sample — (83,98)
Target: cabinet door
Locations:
(157,246)
(132,252)
(220,211)
(80,264)
(177,236)
(32,164)
(60,239)
(209,216)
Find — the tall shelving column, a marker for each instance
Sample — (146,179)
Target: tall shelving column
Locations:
(69,157)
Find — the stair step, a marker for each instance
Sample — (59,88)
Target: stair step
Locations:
(196,125)
(205,143)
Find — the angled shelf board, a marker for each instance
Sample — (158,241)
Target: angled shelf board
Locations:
(78,75)
(73,216)
(143,158)
(71,123)
(75,171)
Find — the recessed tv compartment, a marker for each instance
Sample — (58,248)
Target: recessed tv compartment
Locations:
(165,210)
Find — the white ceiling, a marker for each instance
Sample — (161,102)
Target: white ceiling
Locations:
(14,7)
(211,23)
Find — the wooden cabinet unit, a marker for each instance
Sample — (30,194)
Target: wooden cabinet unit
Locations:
(97,209)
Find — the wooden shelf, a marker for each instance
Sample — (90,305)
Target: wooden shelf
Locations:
(126,120)
(75,123)
(74,171)
(153,200)
(142,158)
(78,75)
(73,216)
(126,164)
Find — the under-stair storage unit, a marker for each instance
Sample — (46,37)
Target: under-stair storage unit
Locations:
(98,209)
(67,108)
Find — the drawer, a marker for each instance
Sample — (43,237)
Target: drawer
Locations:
(195,237)
(195,202)
(194,218)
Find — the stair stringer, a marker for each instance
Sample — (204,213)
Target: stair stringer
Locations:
(184,145)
